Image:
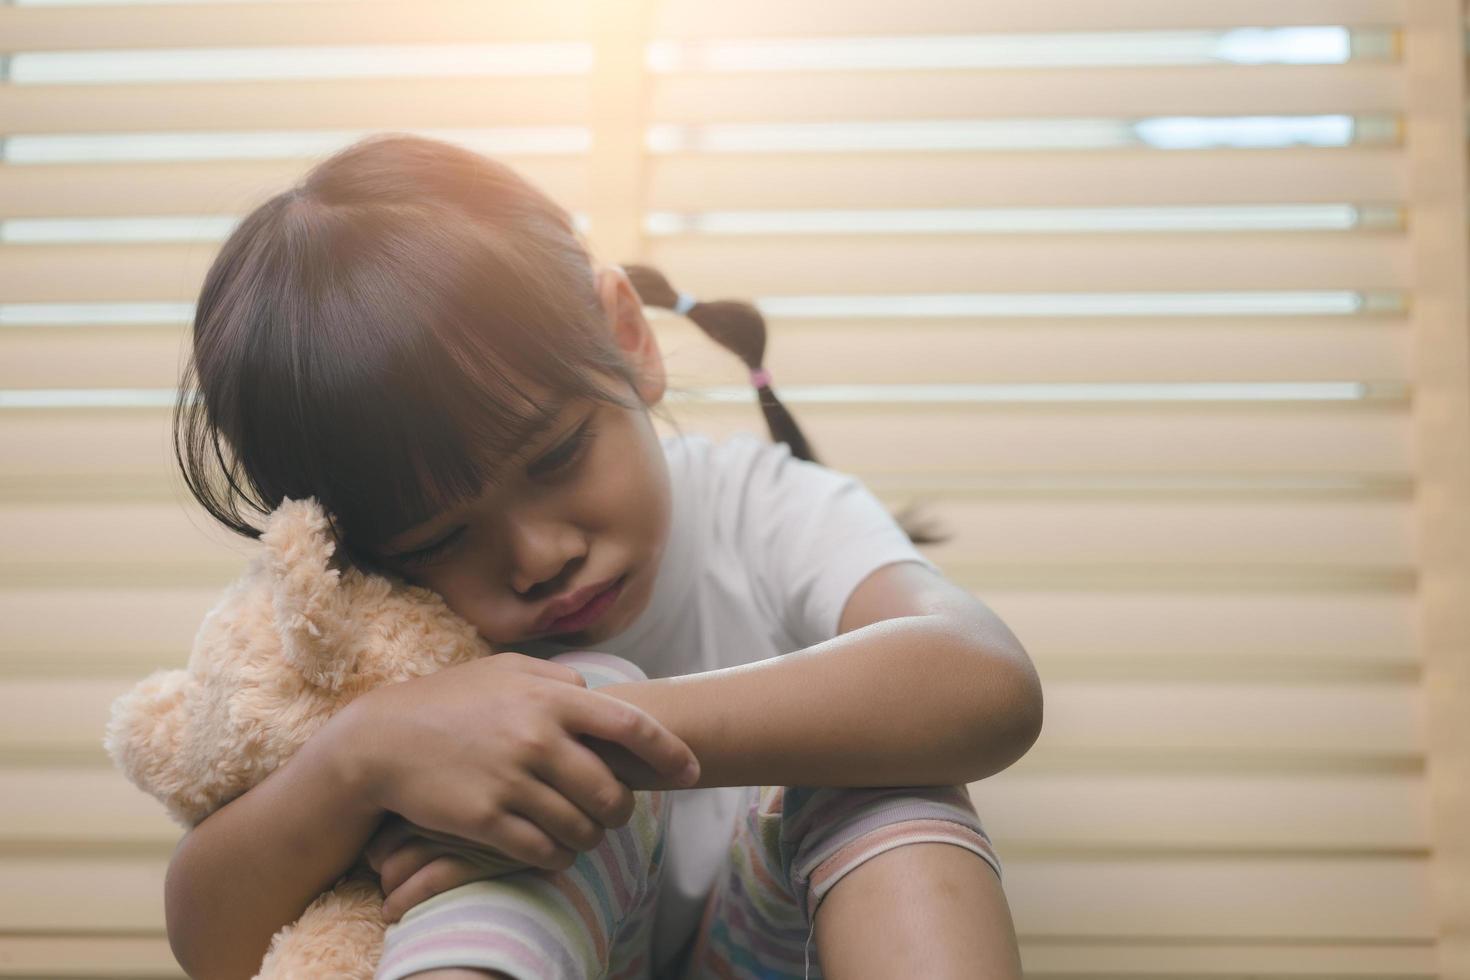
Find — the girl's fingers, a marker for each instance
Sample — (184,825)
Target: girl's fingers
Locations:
(405,862)
(562,820)
(439,875)
(580,775)
(605,717)
(391,834)
(519,838)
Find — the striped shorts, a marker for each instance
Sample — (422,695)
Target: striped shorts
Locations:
(595,919)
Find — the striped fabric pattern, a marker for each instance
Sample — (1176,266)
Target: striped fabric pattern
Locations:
(794,845)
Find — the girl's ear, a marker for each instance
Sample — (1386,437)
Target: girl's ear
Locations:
(623,312)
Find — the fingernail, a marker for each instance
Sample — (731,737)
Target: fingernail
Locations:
(690,775)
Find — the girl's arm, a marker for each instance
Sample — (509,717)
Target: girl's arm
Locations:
(505,768)
(923,685)
(256,863)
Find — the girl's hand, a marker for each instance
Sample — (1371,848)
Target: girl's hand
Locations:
(416,864)
(489,752)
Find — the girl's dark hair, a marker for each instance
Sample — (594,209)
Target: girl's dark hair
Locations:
(359,336)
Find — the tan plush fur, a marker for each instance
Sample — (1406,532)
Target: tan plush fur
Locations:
(287,645)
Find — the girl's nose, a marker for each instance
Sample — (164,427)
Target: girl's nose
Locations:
(543,554)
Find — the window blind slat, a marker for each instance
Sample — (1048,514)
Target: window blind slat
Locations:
(1372,533)
(1298,438)
(837,352)
(139,957)
(1016,93)
(782,18)
(126,631)
(326,104)
(147,958)
(1090,723)
(217,187)
(1035,812)
(762,266)
(262,24)
(1372,899)
(1089,178)
(1111,262)
(1294,812)
(1346,957)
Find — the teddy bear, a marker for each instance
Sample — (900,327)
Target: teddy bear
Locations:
(287,645)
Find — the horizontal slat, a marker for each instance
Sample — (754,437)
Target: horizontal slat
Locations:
(1134,177)
(1360,900)
(79,806)
(1109,438)
(1104,960)
(1156,627)
(1366,533)
(148,957)
(122,632)
(781,18)
(248,24)
(1296,439)
(129,535)
(103,357)
(1327,898)
(375,103)
(93,625)
(1035,812)
(968,352)
(821,264)
(837,352)
(1015,93)
(1372,722)
(213,187)
(252,24)
(824,264)
(1370,533)
(1023,812)
(82,894)
(1329,722)
(385,103)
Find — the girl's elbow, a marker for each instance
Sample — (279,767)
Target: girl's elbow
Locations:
(1030,712)
(1003,736)
(1029,708)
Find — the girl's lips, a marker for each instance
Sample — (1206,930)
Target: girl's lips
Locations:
(590,612)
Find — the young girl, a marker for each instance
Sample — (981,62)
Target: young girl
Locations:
(418,338)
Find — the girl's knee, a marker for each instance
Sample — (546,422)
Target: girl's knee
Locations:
(826,832)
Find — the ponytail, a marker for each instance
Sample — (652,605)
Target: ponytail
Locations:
(740,328)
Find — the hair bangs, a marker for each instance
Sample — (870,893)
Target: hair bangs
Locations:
(408,355)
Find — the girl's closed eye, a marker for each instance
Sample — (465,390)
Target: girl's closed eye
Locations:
(424,556)
(566,455)
(560,460)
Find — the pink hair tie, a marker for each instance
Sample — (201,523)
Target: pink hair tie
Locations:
(760,377)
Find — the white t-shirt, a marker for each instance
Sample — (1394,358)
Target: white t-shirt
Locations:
(763,552)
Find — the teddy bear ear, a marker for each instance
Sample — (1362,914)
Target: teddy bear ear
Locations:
(308,602)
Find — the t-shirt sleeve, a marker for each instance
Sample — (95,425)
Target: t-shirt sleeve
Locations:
(808,536)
